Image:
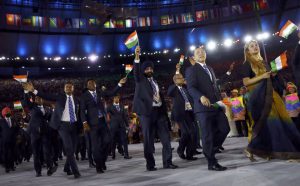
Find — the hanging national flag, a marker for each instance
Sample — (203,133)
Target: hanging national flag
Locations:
(128,68)
(92,22)
(164,20)
(201,15)
(106,24)
(178,19)
(53,22)
(112,23)
(279,63)
(17,105)
(142,21)
(288,28)
(20,78)
(119,23)
(13,19)
(236,9)
(27,21)
(148,21)
(128,23)
(43,21)
(68,23)
(132,40)
(35,21)
(75,23)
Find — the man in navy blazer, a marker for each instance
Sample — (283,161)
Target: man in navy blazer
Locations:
(118,125)
(182,114)
(296,64)
(92,114)
(8,131)
(202,86)
(40,134)
(65,119)
(149,104)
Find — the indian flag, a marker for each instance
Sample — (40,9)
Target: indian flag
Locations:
(17,105)
(132,40)
(287,29)
(222,104)
(20,78)
(279,63)
(128,69)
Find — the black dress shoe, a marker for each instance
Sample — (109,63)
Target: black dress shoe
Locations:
(69,173)
(151,169)
(218,151)
(171,166)
(127,157)
(197,152)
(104,167)
(113,157)
(38,174)
(181,155)
(51,170)
(91,165)
(77,175)
(7,170)
(217,167)
(191,158)
(100,171)
(221,148)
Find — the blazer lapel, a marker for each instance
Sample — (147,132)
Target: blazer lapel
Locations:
(204,72)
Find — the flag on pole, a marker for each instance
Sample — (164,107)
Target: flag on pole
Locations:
(20,78)
(132,40)
(222,104)
(279,63)
(128,68)
(17,105)
(287,29)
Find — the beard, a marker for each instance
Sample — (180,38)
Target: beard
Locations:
(148,74)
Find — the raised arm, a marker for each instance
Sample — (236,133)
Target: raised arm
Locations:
(137,65)
(26,101)
(108,93)
(30,88)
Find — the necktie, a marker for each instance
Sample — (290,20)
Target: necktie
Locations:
(42,109)
(118,108)
(8,122)
(71,111)
(95,96)
(207,71)
(183,95)
(155,91)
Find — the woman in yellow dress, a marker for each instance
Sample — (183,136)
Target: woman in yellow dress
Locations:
(272,132)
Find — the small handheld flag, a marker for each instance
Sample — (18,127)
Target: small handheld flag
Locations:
(279,63)
(132,40)
(17,105)
(222,104)
(288,28)
(20,78)
(128,69)
(181,60)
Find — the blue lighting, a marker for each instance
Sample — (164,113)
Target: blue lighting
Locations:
(21,50)
(63,47)
(157,44)
(48,49)
(168,42)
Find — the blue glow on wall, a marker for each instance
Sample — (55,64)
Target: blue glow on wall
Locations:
(63,48)
(48,49)
(157,44)
(168,42)
(22,50)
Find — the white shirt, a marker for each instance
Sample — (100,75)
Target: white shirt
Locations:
(66,115)
(8,120)
(154,104)
(42,109)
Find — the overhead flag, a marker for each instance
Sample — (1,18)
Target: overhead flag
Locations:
(222,104)
(288,28)
(13,19)
(128,68)
(128,23)
(92,22)
(279,63)
(20,78)
(201,15)
(53,22)
(27,21)
(17,105)
(164,20)
(132,40)
(35,21)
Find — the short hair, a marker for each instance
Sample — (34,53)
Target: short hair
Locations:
(69,83)
(90,79)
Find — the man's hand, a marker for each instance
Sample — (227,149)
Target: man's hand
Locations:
(86,127)
(123,80)
(28,86)
(137,52)
(192,61)
(205,101)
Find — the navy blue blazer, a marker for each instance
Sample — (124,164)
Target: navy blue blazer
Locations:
(118,119)
(89,108)
(60,102)
(38,122)
(199,84)
(8,134)
(143,95)
(178,109)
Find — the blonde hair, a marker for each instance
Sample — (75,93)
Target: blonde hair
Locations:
(256,61)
